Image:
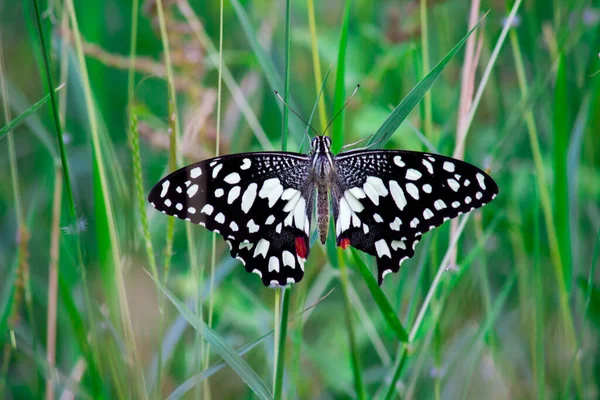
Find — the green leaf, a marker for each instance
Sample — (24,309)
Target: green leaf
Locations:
(386,309)
(561,185)
(217,343)
(389,126)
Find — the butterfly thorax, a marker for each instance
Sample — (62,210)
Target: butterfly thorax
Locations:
(324,171)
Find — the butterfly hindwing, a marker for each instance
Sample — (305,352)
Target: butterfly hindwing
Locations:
(383,201)
(259,202)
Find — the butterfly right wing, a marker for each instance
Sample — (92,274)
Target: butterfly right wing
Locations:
(259,202)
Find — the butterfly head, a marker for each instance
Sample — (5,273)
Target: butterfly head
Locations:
(321,145)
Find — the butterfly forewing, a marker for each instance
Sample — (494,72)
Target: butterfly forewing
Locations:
(259,202)
(383,201)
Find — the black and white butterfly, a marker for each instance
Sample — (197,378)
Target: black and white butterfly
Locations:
(262,203)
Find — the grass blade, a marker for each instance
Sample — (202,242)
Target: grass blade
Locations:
(337,129)
(382,302)
(270,72)
(21,117)
(389,126)
(560,182)
(217,343)
(281,339)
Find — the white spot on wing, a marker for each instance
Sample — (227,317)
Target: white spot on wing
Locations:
(398,195)
(192,190)
(412,190)
(382,248)
(377,218)
(468,200)
(191,210)
(427,188)
(252,227)
(300,213)
(272,190)
(358,192)
(481,180)
(453,184)
(353,202)
(248,197)
(414,222)
(455,204)
(207,209)
(428,165)
(165,188)
(216,170)
(246,163)
(262,247)
(398,244)
(439,204)
(232,178)
(273,264)
(220,218)
(396,224)
(448,166)
(289,259)
(234,227)
(196,172)
(413,174)
(168,203)
(344,215)
(233,194)
(398,161)
(219,192)
(270,220)
(179,206)
(478,195)
(427,213)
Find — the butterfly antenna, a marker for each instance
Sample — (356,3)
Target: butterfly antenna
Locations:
(342,109)
(295,113)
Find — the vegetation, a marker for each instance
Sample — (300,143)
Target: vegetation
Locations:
(102,297)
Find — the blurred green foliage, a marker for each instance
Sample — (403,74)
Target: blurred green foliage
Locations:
(510,321)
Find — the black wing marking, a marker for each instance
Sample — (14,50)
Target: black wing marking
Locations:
(383,201)
(259,202)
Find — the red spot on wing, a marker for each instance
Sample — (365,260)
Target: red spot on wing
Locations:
(344,243)
(301,247)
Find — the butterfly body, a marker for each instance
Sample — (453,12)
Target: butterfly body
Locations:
(381,201)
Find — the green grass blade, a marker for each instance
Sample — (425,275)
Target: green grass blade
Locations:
(7,298)
(560,182)
(282,339)
(21,117)
(337,129)
(389,126)
(270,72)
(354,354)
(592,297)
(386,309)
(189,384)
(217,343)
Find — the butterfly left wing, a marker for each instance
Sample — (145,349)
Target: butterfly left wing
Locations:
(259,202)
(383,201)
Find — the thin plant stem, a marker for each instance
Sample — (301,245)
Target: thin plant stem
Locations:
(281,339)
(316,61)
(213,253)
(110,218)
(428,123)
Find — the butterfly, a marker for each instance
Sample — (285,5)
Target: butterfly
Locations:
(381,201)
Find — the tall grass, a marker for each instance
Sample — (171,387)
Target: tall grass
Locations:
(514,316)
